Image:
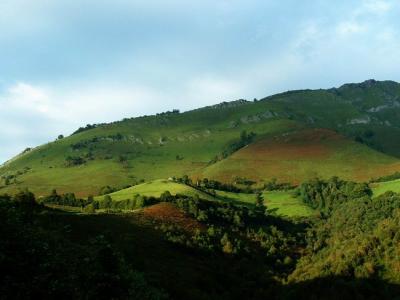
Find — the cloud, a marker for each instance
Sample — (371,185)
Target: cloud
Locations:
(23,96)
(68,63)
(376,6)
(350,27)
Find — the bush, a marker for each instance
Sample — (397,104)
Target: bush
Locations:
(25,198)
(90,208)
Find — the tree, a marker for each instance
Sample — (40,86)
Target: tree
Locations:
(202,216)
(237,220)
(166,196)
(122,158)
(107,201)
(139,201)
(226,244)
(186,180)
(90,199)
(131,204)
(107,190)
(60,137)
(89,209)
(260,207)
(71,161)
(25,198)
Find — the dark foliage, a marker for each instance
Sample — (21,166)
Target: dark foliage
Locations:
(87,127)
(71,161)
(41,263)
(391,177)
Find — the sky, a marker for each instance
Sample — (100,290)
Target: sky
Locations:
(67,63)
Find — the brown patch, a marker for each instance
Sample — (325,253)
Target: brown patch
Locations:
(306,144)
(168,213)
(300,155)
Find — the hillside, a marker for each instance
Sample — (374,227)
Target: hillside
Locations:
(301,155)
(280,203)
(207,140)
(155,189)
(185,248)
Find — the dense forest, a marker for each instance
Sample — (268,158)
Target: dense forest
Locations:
(350,249)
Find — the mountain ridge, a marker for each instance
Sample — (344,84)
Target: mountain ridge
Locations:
(174,143)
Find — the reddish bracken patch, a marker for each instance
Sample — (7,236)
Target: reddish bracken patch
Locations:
(306,144)
(168,213)
(299,155)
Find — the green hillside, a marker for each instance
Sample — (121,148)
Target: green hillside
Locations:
(155,189)
(205,141)
(281,203)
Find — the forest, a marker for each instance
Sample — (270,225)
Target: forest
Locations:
(351,246)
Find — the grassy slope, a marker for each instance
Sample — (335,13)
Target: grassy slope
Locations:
(197,136)
(382,187)
(284,204)
(156,188)
(148,161)
(281,203)
(302,155)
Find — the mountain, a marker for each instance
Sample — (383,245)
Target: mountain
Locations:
(352,131)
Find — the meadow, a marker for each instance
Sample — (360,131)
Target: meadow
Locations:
(155,189)
(280,203)
(383,187)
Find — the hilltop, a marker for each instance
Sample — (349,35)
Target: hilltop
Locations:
(354,130)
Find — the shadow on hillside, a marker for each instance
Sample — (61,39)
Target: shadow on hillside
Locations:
(343,288)
(188,274)
(234,201)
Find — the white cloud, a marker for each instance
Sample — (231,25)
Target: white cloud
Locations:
(24,96)
(350,27)
(376,6)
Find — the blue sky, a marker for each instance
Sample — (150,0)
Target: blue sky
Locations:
(66,63)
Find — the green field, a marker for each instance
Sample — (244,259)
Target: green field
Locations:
(284,204)
(281,203)
(238,198)
(155,189)
(382,187)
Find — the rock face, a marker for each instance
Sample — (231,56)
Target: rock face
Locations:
(394,104)
(361,120)
(231,104)
(253,118)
